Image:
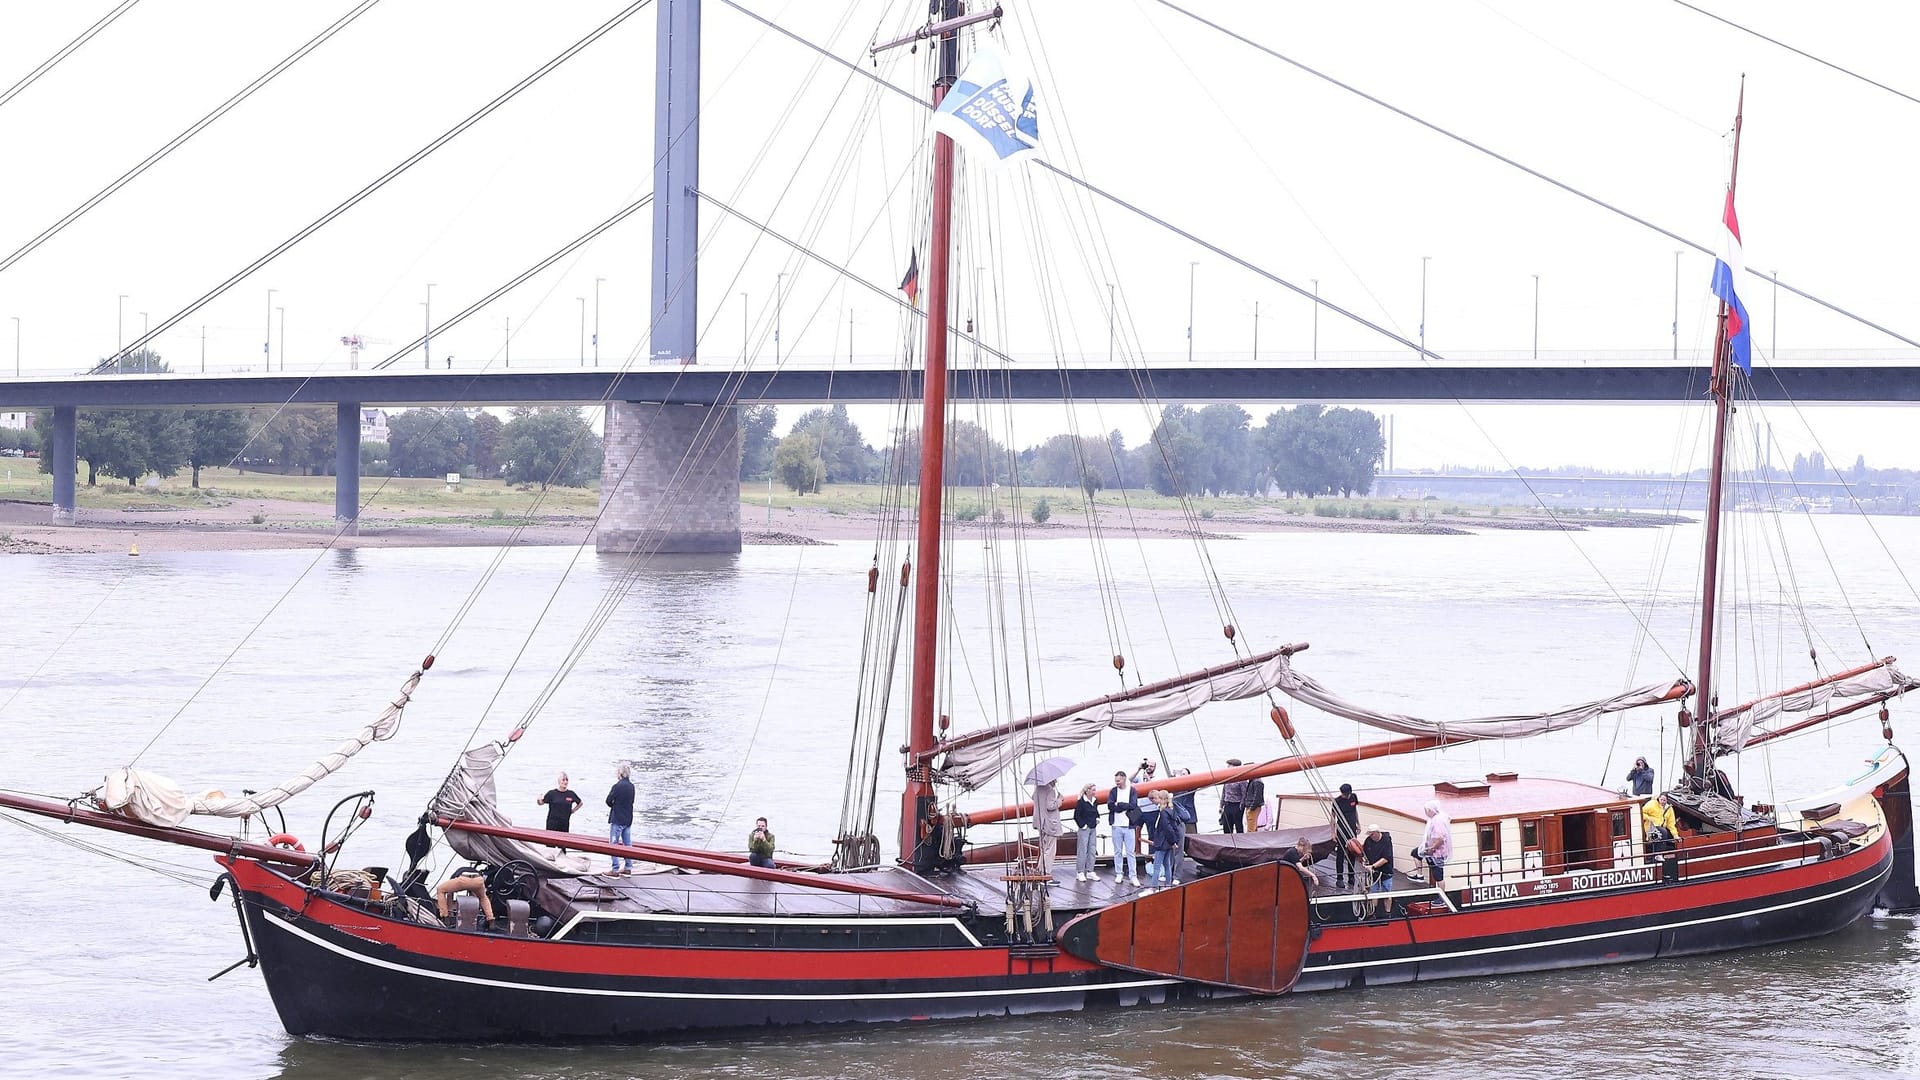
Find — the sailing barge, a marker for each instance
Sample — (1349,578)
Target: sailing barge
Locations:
(1556,874)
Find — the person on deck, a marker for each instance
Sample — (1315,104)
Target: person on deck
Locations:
(760,844)
(1086,820)
(1167,842)
(560,804)
(1233,795)
(1436,844)
(1658,814)
(1184,800)
(1641,777)
(1376,856)
(620,818)
(1046,822)
(1123,816)
(1252,800)
(463,881)
(1346,835)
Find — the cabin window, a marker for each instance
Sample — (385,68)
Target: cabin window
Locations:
(1490,838)
(1618,820)
(1530,834)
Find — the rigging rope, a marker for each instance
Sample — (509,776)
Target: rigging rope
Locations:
(65,51)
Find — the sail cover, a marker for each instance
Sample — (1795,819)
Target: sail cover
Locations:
(468,795)
(152,798)
(1735,733)
(975,763)
(1308,690)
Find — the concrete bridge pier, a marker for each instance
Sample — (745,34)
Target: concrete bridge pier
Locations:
(61,460)
(670,479)
(346,465)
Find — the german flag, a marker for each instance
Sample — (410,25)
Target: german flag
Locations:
(911,283)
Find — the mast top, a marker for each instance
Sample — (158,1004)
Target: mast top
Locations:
(935,29)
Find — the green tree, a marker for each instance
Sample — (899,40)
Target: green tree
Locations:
(1228,463)
(846,458)
(756,440)
(550,446)
(489,432)
(1178,462)
(214,437)
(797,464)
(428,442)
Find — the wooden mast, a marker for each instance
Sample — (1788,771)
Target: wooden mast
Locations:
(1720,386)
(917,802)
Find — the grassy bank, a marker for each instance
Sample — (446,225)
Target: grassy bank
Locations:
(473,499)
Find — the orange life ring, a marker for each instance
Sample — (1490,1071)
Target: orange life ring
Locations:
(286,840)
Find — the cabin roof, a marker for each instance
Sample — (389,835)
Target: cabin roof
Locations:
(1503,799)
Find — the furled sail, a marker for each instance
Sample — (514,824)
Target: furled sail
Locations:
(973,759)
(152,798)
(1308,690)
(467,794)
(1737,730)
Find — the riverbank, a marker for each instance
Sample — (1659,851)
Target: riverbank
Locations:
(241,523)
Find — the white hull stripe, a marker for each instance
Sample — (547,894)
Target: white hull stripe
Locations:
(596,992)
(1871,883)
(754,920)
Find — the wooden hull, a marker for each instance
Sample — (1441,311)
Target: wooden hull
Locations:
(339,971)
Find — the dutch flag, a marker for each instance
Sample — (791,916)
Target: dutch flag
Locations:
(1729,266)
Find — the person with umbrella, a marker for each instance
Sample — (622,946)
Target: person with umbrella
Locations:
(1046,807)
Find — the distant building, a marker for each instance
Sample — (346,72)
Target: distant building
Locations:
(373,425)
(17,420)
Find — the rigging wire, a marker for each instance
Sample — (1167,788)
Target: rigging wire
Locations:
(193,129)
(1530,171)
(65,51)
(1849,72)
(391,174)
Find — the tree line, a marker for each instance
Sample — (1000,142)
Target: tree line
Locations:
(1306,450)
(534,445)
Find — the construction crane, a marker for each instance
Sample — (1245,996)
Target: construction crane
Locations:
(353,342)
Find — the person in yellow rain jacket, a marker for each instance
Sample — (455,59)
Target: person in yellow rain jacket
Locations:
(1658,814)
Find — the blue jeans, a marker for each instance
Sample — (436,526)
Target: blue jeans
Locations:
(1163,867)
(1123,864)
(1085,846)
(620,834)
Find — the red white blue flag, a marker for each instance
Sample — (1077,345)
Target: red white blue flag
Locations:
(1730,266)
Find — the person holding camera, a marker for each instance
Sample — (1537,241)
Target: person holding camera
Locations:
(760,844)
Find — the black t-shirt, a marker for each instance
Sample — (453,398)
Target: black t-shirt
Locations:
(560,808)
(1373,849)
(1347,807)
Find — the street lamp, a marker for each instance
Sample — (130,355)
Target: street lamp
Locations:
(507,340)
(283,339)
(596,320)
(583,330)
(779,294)
(1676,307)
(1536,316)
(1423,305)
(1191,266)
(144,323)
(1775,347)
(1256,331)
(1109,324)
(120,330)
(266,345)
(426,337)
(1316,319)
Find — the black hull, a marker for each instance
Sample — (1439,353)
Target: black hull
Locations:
(333,982)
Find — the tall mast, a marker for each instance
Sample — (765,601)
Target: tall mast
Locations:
(917,803)
(1720,387)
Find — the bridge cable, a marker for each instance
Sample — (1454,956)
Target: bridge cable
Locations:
(391,174)
(193,129)
(1497,156)
(65,51)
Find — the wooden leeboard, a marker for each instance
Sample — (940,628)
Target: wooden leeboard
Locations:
(1246,930)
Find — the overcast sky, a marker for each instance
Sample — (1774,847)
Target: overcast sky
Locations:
(1630,102)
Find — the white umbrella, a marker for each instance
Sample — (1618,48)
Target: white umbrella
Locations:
(1050,770)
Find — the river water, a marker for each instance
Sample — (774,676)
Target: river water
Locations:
(728,682)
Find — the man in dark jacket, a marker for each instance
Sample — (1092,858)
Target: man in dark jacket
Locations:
(1252,801)
(620,819)
(1233,793)
(1346,835)
(1123,814)
(560,804)
(1376,853)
